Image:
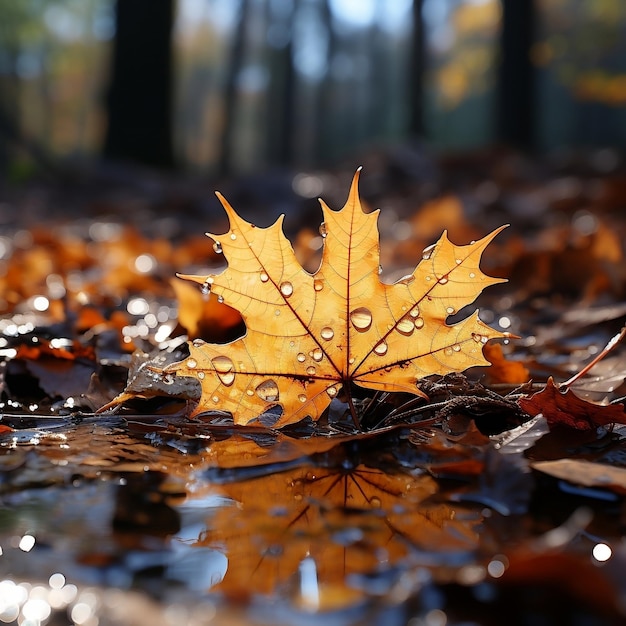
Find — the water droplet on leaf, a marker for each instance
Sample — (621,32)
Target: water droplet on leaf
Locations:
(427,252)
(217,247)
(317,354)
(405,326)
(327,333)
(224,368)
(323,229)
(302,398)
(192,363)
(286,289)
(361,318)
(311,370)
(301,358)
(381,348)
(264,277)
(443,280)
(318,285)
(268,391)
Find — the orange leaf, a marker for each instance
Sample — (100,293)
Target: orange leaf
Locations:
(501,370)
(566,408)
(311,335)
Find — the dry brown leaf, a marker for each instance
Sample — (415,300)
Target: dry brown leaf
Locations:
(566,408)
(311,335)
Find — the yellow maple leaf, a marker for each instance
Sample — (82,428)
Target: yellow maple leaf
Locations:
(311,335)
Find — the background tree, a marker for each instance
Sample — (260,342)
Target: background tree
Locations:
(139,103)
(515,95)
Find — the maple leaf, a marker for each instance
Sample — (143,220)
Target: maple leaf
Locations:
(567,408)
(308,336)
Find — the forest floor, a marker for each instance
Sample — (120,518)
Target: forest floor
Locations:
(468,508)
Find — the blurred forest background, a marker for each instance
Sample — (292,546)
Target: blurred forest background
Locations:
(227,87)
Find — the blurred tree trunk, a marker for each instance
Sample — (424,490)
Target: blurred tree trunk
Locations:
(416,72)
(281,94)
(326,95)
(139,102)
(237,58)
(515,88)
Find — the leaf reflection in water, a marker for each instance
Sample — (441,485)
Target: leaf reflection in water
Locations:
(325,524)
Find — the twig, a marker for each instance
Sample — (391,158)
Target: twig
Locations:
(609,346)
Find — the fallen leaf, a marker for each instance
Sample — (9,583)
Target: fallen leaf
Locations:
(568,409)
(501,369)
(585,473)
(311,335)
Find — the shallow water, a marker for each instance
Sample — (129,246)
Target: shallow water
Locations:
(123,521)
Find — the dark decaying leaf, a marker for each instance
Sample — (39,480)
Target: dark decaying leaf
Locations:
(567,409)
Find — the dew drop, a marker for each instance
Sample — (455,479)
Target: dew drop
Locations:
(249,392)
(327,333)
(224,368)
(323,229)
(450,310)
(311,370)
(456,347)
(351,360)
(332,391)
(476,337)
(407,280)
(443,280)
(220,299)
(302,398)
(286,289)
(200,375)
(318,285)
(419,322)
(484,339)
(427,252)
(448,351)
(277,312)
(215,399)
(380,270)
(317,354)
(301,358)
(192,363)
(405,326)
(428,278)
(217,247)
(414,312)
(375,502)
(380,348)
(459,261)
(268,391)
(361,319)
(233,236)
(264,277)
(472,275)
(206,289)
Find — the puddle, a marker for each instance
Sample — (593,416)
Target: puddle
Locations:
(113,522)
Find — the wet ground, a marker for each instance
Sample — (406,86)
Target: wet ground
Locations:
(469,515)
